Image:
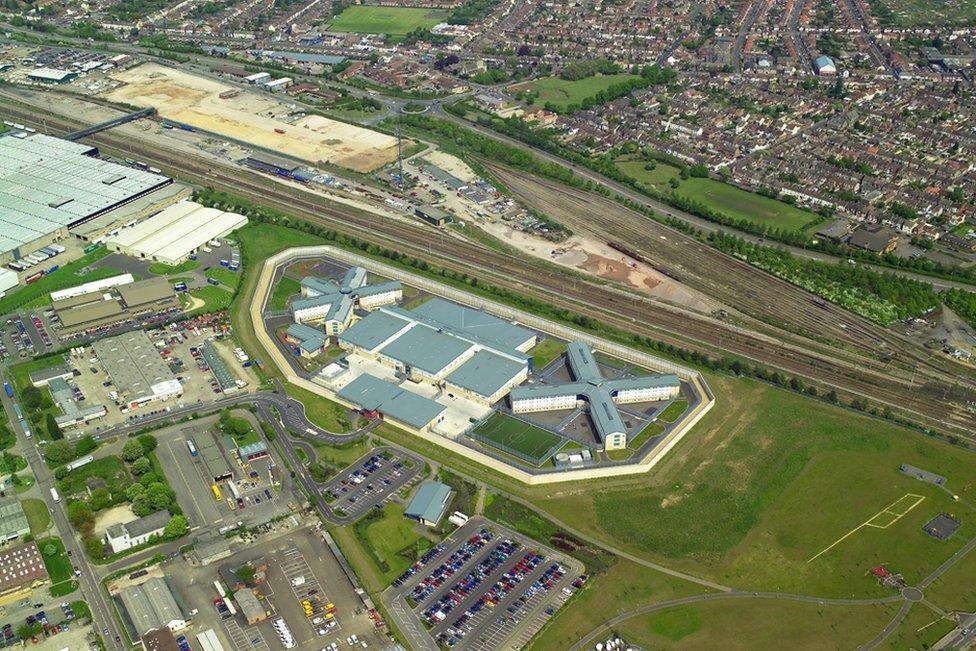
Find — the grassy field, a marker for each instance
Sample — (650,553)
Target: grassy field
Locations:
(110,469)
(224,276)
(341,455)
(67,276)
(915,13)
(58,566)
(722,197)
(163,269)
(392,541)
(546,351)
(562,93)
(330,416)
(38,516)
(758,624)
(395,21)
(283,290)
(650,431)
(673,411)
(769,479)
(214,299)
(512,434)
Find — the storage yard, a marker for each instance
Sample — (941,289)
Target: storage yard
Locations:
(251,117)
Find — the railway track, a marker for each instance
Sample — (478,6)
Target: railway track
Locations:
(629,312)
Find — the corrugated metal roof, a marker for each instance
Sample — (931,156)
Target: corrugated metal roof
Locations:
(430,502)
(425,349)
(373,394)
(485,373)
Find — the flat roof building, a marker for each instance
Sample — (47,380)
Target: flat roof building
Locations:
(170,236)
(214,458)
(49,185)
(429,503)
(372,394)
(136,368)
(13,520)
(43,376)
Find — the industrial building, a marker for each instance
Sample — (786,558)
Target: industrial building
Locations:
(52,75)
(43,376)
(251,607)
(72,413)
(268,163)
(160,639)
(13,521)
(599,394)
(462,349)
(127,535)
(123,303)
(152,605)
(8,281)
(175,233)
(332,303)
(140,375)
(49,185)
(21,569)
(429,503)
(213,457)
(432,215)
(93,286)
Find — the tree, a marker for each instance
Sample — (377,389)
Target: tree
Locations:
(132,450)
(177,527)
(94,547)
(134,492)
(148,443)
(245,574)
(85,444)
(32,398)
(141,466)
(81,516)
(58,452)
(160,497)
(53,429)
(101,498)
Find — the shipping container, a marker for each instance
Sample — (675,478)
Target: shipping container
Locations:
(9,390)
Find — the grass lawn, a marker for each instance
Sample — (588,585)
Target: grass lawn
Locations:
(757,624)
(619,455)
(391,540)
(722,197)
(562,93)
(67,276)
(341,455)
(214,299)
(546,351)
(225,276)
(511,434)
(395,21)
(650,431)
(283,290)
(673,411)
(766,481)
(914,13)
(110,469)
(163,269)
(920,629)
(38,517)
(330,416)
(55,559)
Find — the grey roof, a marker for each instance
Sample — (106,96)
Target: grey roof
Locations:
(133,362)
(47,183)
(373,330)
(425,349)
(477,323)
(301,57)
(320,285)
(340,306)
(150,605)
(249,604)
(643,382)
(373,394)
(485,373)
(354,278)
(302,331)
(213,457)
(49,372)
(140,526)
(13,520)
(582,363)
(225,378)
(379,288)
(430,502)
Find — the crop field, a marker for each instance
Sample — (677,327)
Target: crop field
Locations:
(512,434)
(395,21)
(251,117)
(913,13)
(771,479)
(562,92)
(722,197)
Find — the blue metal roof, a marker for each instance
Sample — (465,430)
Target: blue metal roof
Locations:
(373,330)
(485,373)
(373,394)
(477,323)
(430,502)
(425,349)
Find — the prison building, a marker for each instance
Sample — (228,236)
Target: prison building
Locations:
(376,397)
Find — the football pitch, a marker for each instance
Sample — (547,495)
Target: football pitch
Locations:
(395,21)
(511,434)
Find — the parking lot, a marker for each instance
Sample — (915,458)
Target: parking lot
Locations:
(483,588)
(370,481)
(55,615)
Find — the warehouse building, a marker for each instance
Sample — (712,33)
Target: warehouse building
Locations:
(72,413)
(274,164)
(600,395)
(160,639)
(127,535)
(175,233)
(213,457)
(21,570)
(93,286)
(251,607)
(43,376)
(152,605)
(432,215)
(49,185)
(13,521)
(460,349)
(121,304)
(8,281)
(52,75)
(429,503)
(139,373)
(375,397)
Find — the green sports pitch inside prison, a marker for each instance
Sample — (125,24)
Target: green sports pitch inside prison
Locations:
(511,434)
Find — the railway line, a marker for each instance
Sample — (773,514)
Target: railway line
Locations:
(612,306)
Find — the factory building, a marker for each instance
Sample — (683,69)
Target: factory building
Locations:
(121,537)
(152,605)
(49,185)
(175,233)
(600,395)
(139,373)
(461,349)
(13,521)
(52,75)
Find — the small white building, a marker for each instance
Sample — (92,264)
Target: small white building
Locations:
(121,537)
(277,85)
(258,78)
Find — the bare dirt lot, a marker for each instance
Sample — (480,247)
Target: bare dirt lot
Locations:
(251,117)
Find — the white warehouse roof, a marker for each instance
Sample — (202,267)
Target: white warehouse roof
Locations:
(176,232)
